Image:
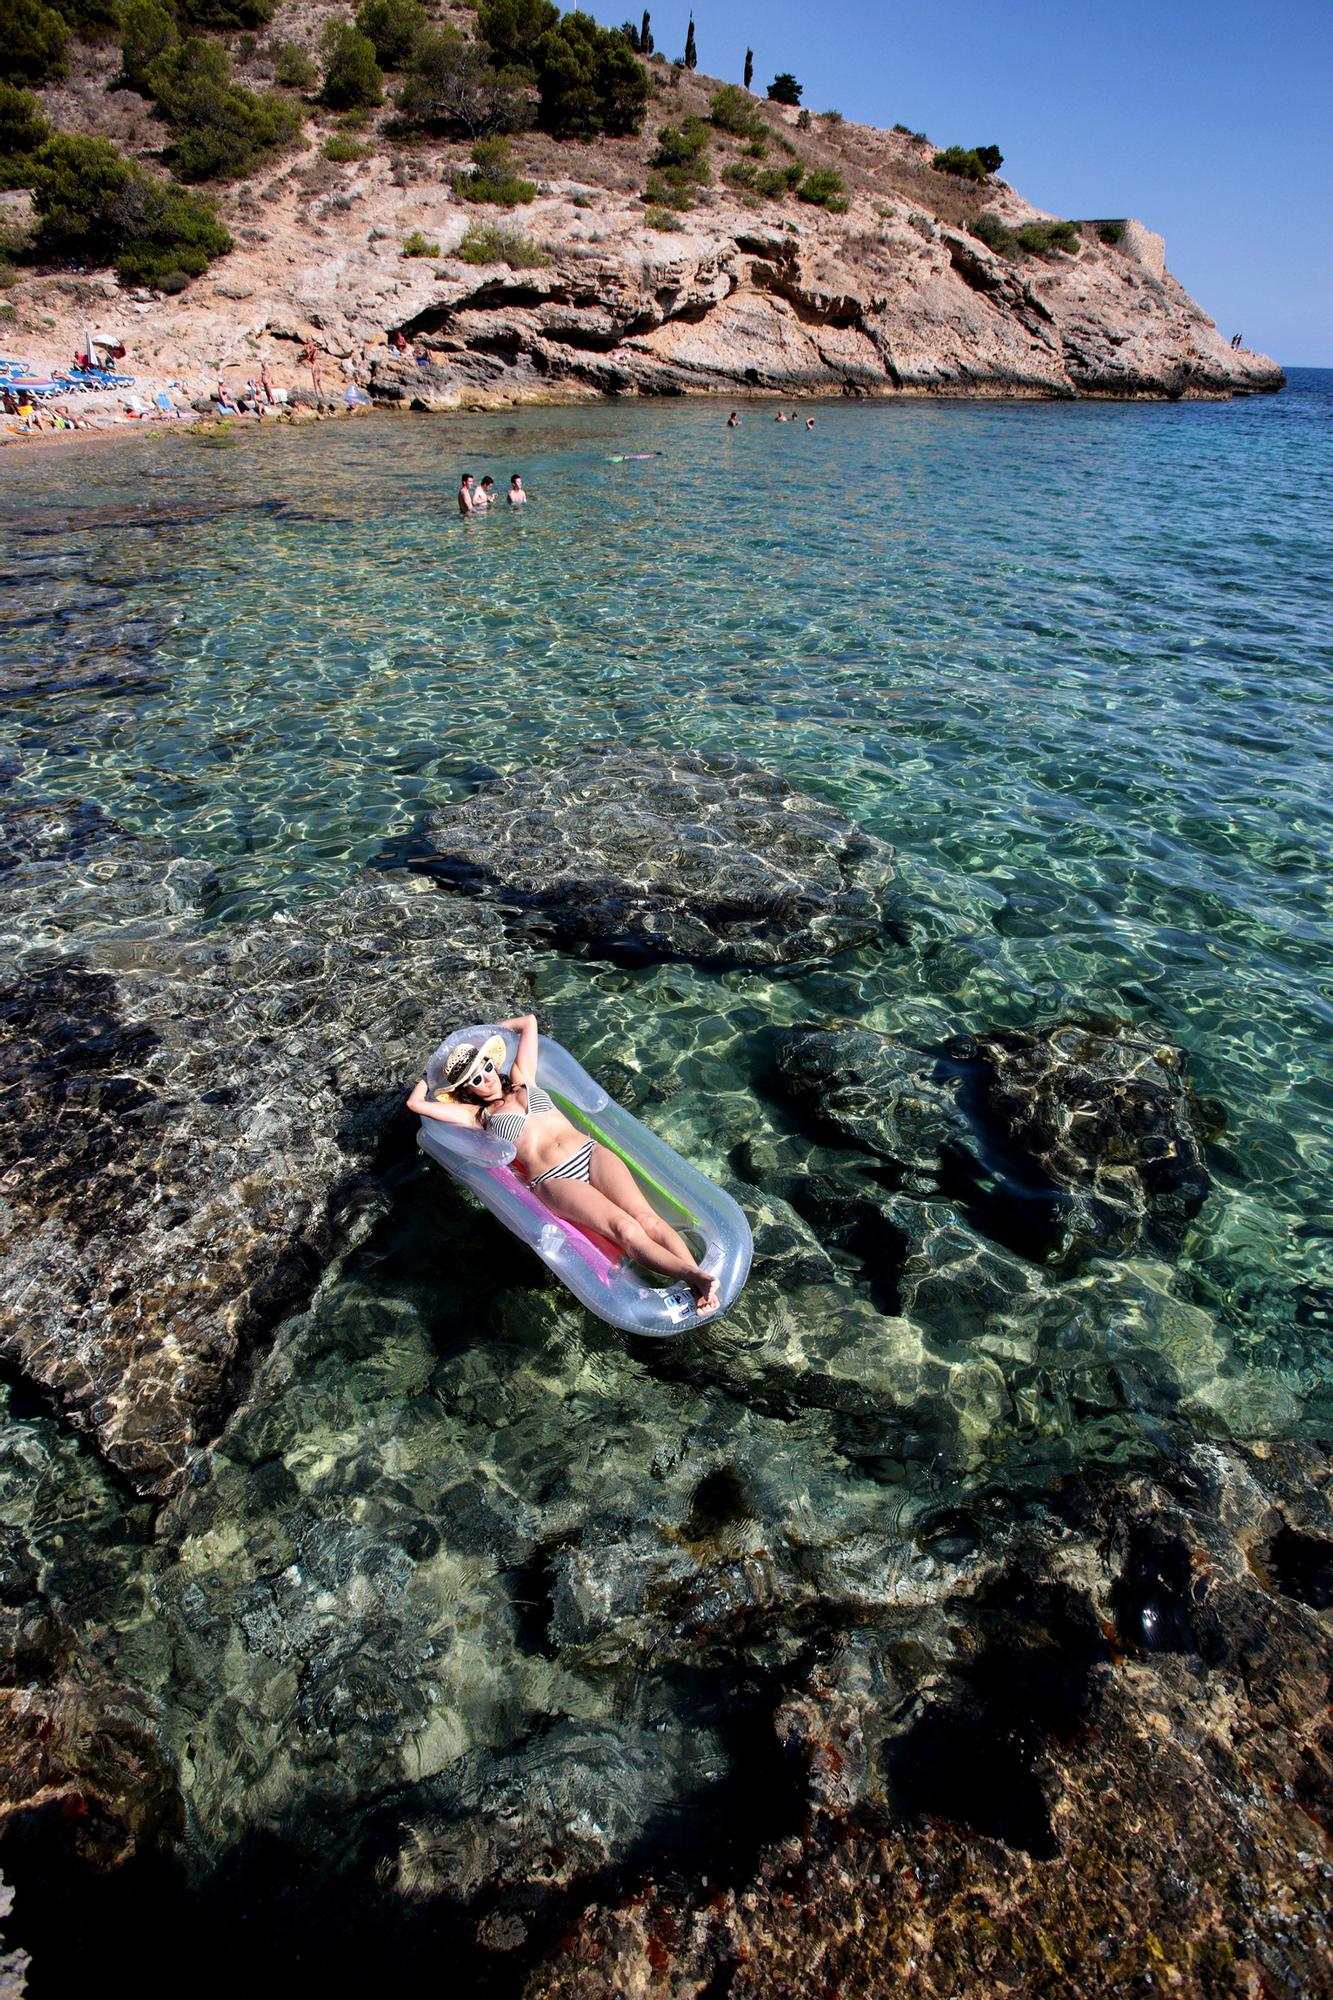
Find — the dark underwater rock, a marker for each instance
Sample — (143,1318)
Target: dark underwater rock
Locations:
(1006,1794)
(188,1115)
(1108,1115)
(860,1088)
(661,856)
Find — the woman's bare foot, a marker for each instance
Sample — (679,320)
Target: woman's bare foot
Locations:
(707,1298)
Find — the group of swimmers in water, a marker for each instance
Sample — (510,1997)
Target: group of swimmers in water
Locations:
(734,421)
(474,498)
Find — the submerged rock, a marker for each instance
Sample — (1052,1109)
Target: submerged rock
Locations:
(1061,1143)
(1013,1792)
(189,1115)
(1108,1115)
(658,856)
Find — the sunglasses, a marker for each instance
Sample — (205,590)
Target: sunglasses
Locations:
(487,1069)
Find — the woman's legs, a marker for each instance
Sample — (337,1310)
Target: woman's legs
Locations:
(581,1203)
(611,1177)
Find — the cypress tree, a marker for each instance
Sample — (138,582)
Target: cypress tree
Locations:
(691,53)
(646,35)
(749,67)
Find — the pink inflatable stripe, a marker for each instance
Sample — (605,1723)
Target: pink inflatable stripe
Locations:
(597,1262)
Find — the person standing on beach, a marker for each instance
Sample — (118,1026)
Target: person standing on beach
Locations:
(311,360)
(516,496)
(266,383)
(465,502)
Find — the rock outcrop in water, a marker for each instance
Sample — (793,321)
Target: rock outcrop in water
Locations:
(189,1115)
(1070,1140)
(649,856)
(1096,1762)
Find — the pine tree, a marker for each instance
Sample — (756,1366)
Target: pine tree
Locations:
(749,67)
(645,36)
(691,53)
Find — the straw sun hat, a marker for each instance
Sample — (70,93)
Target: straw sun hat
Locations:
(461,1061)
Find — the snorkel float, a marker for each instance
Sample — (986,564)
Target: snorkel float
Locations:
(595,1269)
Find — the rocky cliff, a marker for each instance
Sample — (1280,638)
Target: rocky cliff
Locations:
(896,295)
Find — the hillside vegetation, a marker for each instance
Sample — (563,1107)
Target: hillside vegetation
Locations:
(204,150)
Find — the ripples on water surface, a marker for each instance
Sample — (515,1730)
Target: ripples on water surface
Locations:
(1072,660)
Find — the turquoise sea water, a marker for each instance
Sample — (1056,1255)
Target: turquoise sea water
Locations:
(1073,661)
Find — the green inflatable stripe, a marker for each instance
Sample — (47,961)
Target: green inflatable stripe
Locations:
(582,1119)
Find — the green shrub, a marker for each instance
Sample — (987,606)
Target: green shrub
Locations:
(418,246)
(834,118)
(993,233)
(661,218)
(784,88)
(683,149)
(149,32)
(451,88)
(226,13)
(94,207)
(340,149)
(292,67)
(91,20)
(582,201)
(511,30)
(962,161)
(220,131)
(352,76)
(741,174)
(758,147)
(588,80)
(774,182)
(969,163)
(486,243)
(824,188)
(391,27)
(664,191)
(803,120)
(175,239)
(732,110)
(22,130)
(491,177)
(1040,238)
(1112,232)
(34,45)
(907,133)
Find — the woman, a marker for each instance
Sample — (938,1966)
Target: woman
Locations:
(581,1181)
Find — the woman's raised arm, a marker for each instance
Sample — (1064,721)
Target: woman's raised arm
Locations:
(447,1114)
(525,1062)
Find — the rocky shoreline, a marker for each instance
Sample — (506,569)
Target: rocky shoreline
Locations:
(1064,1732)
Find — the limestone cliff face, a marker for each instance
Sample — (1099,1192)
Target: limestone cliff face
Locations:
(895,296)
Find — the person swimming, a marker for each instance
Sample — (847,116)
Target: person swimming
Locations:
(466,503)
(733,422)
(484,496)
(580,1180)
(516,496)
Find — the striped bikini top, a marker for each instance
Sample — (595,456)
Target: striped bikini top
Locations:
(509,1124)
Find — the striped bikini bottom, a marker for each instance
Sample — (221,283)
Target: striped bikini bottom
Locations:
(578,1167)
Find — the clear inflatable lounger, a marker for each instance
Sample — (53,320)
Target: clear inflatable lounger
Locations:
(595,1270)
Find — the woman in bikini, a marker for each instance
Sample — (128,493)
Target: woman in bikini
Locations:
(581,1181)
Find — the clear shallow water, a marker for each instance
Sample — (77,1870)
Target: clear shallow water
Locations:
(1073,661)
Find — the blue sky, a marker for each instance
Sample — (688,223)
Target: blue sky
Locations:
(1211,124)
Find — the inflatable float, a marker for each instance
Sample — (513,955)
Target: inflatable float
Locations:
(595,1270)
